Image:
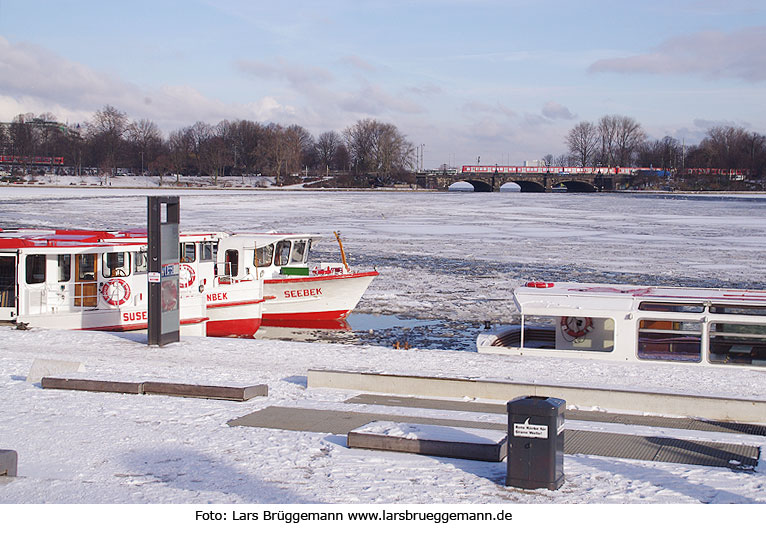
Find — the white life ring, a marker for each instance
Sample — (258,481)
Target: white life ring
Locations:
(186,276)
(575,327)
(115,292)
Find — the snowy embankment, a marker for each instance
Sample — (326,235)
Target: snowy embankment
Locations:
(440,255)
(77,447)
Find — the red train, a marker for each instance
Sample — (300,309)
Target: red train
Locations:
(30,160)
(622,171)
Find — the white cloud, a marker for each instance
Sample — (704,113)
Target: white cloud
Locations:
(710,54)
(554,111)
(33,79)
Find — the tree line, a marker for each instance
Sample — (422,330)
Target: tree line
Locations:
(619,141)
(239,147)
(367,148)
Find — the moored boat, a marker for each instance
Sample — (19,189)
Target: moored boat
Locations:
(70,279)
(299,294)
(703,326)
(221,267)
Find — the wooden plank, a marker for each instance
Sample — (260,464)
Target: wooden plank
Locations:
(92,385)
(213,392)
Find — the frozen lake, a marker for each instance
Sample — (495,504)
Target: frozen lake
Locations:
(451,259)
(447,261)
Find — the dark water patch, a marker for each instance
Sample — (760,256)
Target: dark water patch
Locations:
(390,331)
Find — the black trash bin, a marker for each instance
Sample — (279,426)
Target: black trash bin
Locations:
(535,443)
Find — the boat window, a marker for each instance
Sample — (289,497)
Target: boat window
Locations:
(85,275)
(231,268)
(283,253)
(672,307)
(35,269)
(187,252)
(7,281)
(299,252)
(140,262)
(86,267)
(738,310)
(116,264)
(738,344)
(569,333)
(263,255)
(65,267)
(669,340)
(207,251)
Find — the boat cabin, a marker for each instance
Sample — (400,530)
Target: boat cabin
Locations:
(71,279)
(282,255)
(634,323)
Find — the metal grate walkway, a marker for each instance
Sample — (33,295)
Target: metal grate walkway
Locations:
(663,449)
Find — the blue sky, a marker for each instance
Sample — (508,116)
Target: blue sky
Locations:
(500,80)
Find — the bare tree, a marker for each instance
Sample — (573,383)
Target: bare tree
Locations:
(327,149)
(106,133)
(377,147)
(180,146)
(582,141)
(607,132)
(200,134)
(243,141)
(145,141)
(629,136)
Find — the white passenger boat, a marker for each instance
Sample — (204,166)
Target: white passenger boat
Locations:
(712,327)
(222,267)
(232,293)
(69,279)
(299,294)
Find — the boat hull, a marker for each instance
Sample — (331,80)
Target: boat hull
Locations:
(234,309)
(319,298)
(236,319)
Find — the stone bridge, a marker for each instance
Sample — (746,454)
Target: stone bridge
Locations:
(543,182)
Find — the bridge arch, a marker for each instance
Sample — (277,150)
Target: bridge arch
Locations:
(529,186)
(577,186)
(478,185)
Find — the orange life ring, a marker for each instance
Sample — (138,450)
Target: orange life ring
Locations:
(186,276)
(576,327)
(115,292)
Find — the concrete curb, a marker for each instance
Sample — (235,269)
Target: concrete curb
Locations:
(712,408)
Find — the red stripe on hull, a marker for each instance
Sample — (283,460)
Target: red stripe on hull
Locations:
(303,320)
(245,327)
(142,325)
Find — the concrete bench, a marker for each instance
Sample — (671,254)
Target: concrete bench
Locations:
(238,394)
(9,461)
(214,392)
(92,385)
(442,441)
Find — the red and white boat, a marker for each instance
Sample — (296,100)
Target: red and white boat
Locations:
(221,267)
(94,280)
(232,294)
(299,294)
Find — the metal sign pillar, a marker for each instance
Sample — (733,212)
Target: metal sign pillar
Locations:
(162,229)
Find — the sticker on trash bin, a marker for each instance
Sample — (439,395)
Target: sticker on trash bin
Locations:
(531,431)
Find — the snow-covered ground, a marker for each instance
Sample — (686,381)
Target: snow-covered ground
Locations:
(440,255)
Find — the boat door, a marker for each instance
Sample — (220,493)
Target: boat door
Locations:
(86,280)
(8,286)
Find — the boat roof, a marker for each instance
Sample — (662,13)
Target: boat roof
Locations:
(264,239)
(536,296)
(14,239)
